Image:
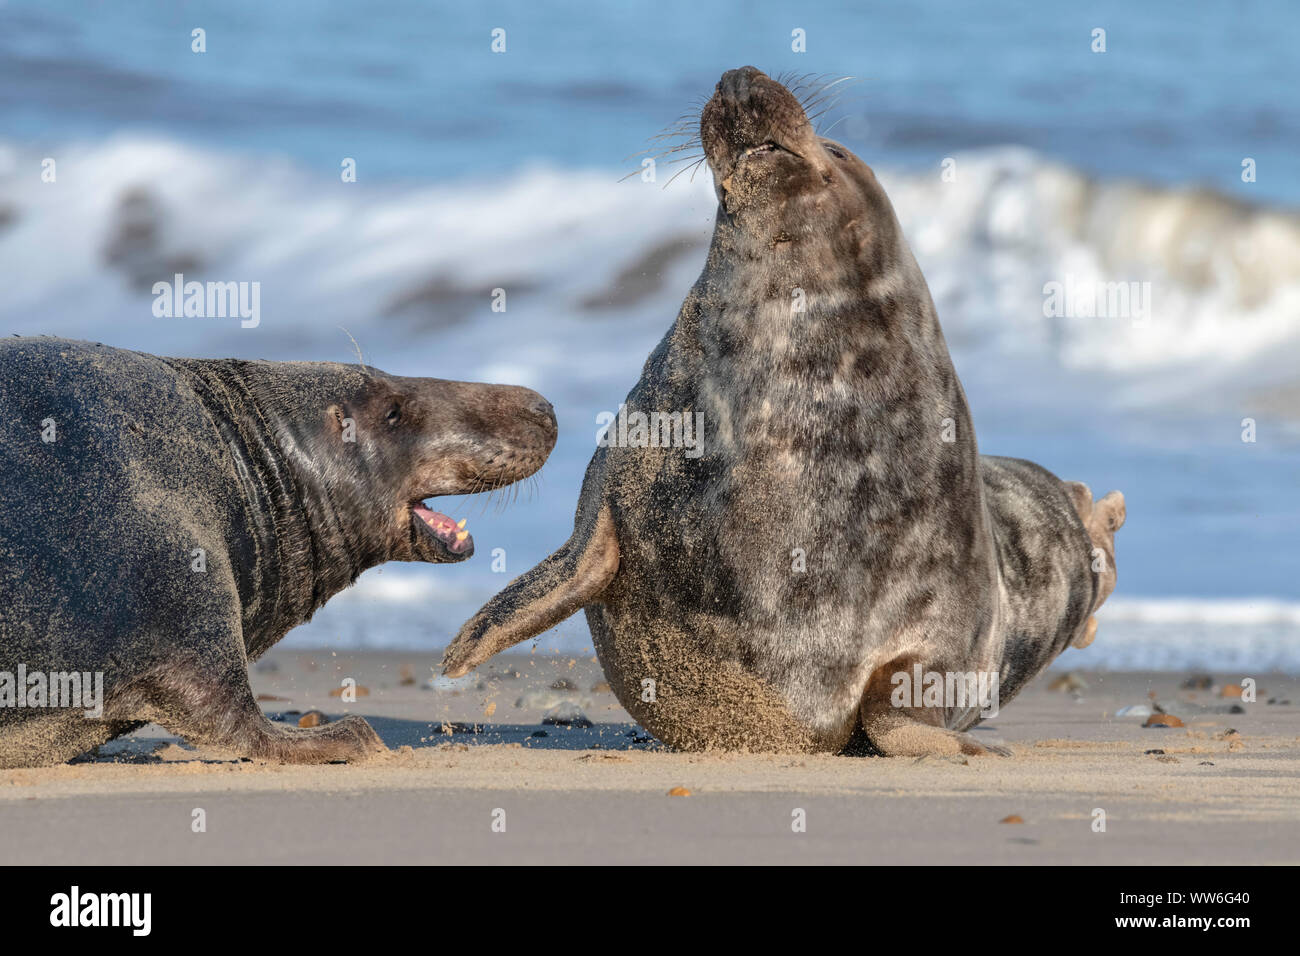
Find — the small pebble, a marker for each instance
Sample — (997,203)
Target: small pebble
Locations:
(567,715)
(1134,710)
(1163,720)
(1068,683)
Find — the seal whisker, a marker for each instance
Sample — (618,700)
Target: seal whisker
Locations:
(692,168)
(828,129)
(672,162)
(360,361)
(824,91)
(692,141)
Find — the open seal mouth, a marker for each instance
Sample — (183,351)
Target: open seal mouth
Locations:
(447,537)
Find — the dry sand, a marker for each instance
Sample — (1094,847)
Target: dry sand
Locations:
(601,794)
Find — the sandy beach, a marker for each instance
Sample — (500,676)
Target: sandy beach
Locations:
(475,776)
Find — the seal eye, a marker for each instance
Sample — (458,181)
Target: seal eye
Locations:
(394,416)
(834,152)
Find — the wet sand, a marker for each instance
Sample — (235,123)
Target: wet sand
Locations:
(466,761)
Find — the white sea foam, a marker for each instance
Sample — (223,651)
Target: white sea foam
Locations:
(1225,276)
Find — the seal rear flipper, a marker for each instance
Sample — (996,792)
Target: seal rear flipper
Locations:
(541,598)
(912,731)
(897,735)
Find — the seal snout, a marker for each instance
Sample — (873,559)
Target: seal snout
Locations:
(749,111)
(442,438)
(754,131)
(543,412)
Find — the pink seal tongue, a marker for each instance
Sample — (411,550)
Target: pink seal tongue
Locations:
(451,533)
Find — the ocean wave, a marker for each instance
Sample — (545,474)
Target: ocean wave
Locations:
(418,260)
(1239,637)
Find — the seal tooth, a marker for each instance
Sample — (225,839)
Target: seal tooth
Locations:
(461,523)
(462,535)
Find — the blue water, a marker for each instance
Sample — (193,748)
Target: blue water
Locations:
(412,90)
(504,167)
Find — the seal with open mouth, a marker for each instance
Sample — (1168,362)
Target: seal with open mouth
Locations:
(840,532)
(165,521)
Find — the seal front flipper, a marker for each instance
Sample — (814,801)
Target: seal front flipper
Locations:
(541,598)
(201,692)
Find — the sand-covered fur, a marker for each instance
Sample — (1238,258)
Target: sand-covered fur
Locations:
(165,521)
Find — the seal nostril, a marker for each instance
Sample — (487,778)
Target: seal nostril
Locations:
(544,410)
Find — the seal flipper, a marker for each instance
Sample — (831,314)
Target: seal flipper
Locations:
(541,598)
(900,734)
(203,695)
(894,731)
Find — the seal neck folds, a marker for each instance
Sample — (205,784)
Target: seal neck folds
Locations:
(303,551)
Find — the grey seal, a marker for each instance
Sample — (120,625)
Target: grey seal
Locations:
(840,530)
(167,520)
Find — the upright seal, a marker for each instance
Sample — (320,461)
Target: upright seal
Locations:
(840,535)
(165,521)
